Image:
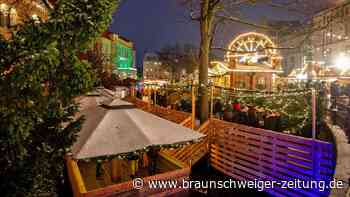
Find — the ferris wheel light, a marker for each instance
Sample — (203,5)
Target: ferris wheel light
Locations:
(252,47)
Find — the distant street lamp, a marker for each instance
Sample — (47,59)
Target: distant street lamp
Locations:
(342,62)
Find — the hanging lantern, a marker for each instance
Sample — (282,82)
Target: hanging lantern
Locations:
(35,18)
(13,17)
(3,15)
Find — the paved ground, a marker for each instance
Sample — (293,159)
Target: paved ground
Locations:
(342,171)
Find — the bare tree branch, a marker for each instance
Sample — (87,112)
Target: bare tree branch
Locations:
(238,20)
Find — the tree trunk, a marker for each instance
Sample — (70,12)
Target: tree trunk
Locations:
(205,26)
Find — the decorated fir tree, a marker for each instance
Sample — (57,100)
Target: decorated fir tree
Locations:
(40,75)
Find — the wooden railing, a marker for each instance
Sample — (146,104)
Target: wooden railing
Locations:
(168,114)
(247,153)
(187,155)
(190,154)
(75,177)
(127,188)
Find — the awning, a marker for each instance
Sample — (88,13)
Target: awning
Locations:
(119,128)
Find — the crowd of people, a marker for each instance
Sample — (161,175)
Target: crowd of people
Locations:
(235,111)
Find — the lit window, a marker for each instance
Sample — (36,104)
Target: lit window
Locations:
(35,18)
(13,17)
(3,15)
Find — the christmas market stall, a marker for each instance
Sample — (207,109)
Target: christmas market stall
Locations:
(251,62)
(118,143)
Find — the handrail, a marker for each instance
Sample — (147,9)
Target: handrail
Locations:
(75,177)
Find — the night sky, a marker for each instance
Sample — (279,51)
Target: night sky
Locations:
(152,24)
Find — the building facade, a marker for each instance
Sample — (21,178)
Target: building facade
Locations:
(120,54)
(331,38)
(14,13)
(324,41)
(153,69)
(289,36)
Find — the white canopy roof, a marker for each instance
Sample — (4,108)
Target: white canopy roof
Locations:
(119,128)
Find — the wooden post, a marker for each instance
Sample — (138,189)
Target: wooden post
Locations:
(116,170)
(75,177)
(133,93)
(193,107)
(212,102)
(149,97)
(133,166)
(314,115)
(155,97)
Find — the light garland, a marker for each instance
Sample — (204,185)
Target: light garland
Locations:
(128,155)
(282,103)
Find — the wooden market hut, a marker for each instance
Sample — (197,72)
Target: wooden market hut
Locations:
(97,165)
(251,62)
(240,76)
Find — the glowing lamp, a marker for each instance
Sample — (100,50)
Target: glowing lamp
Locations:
(342,62)
(35,17)
(301,76)
(3,7)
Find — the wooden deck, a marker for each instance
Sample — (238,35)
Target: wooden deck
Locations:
(238,151)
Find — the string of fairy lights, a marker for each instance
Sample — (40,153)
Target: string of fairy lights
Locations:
(278,102)
(292,104)
(128,155)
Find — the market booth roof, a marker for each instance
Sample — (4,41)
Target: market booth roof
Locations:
(222,68)
(116,127)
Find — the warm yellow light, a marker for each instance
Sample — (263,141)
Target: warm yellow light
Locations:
(301,76)
(13,11)
(3,7)
(247,50)
(254,34)
(342,62)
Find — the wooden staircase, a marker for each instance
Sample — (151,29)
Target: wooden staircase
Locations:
(188,155)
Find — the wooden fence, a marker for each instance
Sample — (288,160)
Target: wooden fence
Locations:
(247,153)
(168,114)
(127,188)
(190,154)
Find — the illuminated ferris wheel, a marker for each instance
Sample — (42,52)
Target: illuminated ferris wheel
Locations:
(252,48)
